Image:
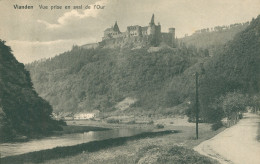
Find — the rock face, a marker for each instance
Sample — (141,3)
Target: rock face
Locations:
(22,111)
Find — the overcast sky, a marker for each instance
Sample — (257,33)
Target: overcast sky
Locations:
(35,34)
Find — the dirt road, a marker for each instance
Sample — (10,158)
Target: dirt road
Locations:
(235,145)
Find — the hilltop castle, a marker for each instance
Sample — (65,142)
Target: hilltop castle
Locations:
(150,35)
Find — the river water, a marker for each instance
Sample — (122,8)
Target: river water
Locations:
(16,148)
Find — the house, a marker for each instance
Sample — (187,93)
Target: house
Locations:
(85,116)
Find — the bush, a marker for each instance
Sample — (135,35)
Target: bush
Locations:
(240,115)
(181,155)
(159,126)
(113,121)
(62,122)
(235,102)
(216,126)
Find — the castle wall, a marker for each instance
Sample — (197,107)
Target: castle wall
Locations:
(134,31)
(125,42)
(111,34)
(144,30)
(167,38)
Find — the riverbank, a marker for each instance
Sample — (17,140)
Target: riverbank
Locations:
(160,148)
(69,129)
(78,129)
(61,152)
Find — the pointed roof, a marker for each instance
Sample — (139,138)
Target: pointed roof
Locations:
(116,28)
(152,20)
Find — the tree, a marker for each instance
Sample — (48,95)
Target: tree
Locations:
(22,111)
(255,102)
(6,131)
(233,103)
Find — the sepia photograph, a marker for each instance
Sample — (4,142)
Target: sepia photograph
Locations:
(130,81)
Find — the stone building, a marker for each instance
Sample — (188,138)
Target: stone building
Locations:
(138,35)
(135,36)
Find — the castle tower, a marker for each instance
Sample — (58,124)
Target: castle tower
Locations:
(152,21)
(172,34)
(116,28)
(154,32)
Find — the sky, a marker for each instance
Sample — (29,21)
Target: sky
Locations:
(35,34)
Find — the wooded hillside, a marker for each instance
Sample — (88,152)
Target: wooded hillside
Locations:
(22,111)
(86,80)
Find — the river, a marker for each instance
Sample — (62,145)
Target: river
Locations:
(16,148)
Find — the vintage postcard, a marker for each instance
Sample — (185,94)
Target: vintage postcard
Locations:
(130,81)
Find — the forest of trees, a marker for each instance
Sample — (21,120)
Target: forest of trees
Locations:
(88,79)
(85,80)
(232,76)
(22,111)
(213,38)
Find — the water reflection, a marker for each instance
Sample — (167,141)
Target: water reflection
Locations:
(8,149)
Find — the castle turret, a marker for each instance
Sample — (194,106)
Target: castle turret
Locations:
(152,21)
(116,28)
(112,32)
(154,32)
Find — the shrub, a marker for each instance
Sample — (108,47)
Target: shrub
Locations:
(216,125)
(234,102)
(113,121)
(181,155)
(62,122)
(159,126)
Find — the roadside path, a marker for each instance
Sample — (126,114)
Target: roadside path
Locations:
(235,145)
